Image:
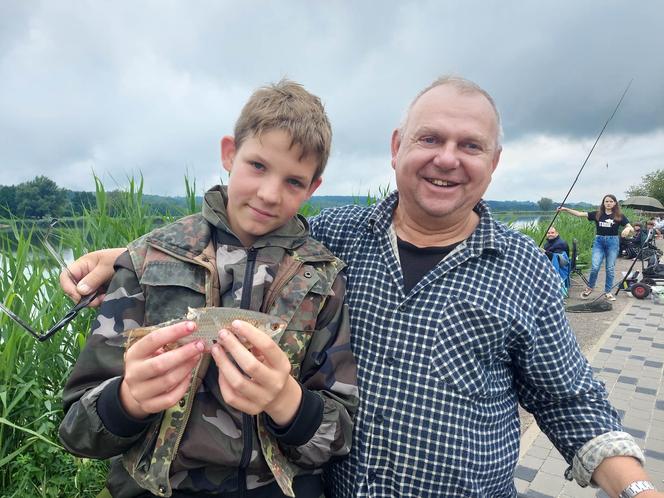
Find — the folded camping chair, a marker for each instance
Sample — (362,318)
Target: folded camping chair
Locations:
(561,263)
(574,260)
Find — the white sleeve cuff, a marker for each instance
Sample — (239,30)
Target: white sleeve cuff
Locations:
(591,454)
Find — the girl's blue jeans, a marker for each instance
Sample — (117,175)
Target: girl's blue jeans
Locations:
(604,247)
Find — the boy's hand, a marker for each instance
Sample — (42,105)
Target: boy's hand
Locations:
(155,380)
(264,383)
(92,270)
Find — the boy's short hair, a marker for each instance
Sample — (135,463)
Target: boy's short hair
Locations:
(287,106)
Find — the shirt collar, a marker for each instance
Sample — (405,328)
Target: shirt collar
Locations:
(487,236)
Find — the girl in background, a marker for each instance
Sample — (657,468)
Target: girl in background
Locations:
(608,220)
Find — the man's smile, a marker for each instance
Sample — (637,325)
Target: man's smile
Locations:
(441,183)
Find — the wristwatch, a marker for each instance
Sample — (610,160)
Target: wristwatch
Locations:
(635,488)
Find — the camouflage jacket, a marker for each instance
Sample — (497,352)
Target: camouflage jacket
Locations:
(196,262)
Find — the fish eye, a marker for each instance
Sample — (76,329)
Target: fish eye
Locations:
(275,326)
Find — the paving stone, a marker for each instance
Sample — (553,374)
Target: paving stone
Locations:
(657,455)
(531,461)
(554,467)
(652,443)
(525,473)
(543,441)
(546,484)
(656,431)
(627,380)
(521,486)
(537,452)
(637,433)
(536,494)
(646,390)
(654,364)
(573,490)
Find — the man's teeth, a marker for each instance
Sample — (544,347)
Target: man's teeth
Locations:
(440,183)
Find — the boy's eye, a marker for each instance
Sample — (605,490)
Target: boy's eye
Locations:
(258,165)
(295,183)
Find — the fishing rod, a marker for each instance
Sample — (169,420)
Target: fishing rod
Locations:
(587,157)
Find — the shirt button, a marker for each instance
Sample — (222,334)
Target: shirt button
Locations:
(390,360)
(372,475)
(378,418)
(402,307)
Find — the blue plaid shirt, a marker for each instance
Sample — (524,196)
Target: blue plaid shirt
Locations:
(442,368)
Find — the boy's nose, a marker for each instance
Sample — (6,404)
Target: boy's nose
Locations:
(269,192)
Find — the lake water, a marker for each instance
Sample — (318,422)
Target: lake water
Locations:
(520,221)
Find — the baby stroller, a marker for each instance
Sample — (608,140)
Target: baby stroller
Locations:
(652,271)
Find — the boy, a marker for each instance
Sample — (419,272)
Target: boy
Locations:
(176,423)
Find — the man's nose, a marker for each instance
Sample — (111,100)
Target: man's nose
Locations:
(447,155)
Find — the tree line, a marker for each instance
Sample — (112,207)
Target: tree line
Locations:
(42,198)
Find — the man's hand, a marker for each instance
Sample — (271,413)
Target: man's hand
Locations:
(155,380)
(262,383)
(92,271)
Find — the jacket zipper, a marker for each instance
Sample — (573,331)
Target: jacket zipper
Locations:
(247,420)
(208,285)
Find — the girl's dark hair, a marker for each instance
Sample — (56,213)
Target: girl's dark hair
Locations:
(616,213)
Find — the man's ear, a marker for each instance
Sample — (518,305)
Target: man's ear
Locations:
(496,158)
(314,185)
(227,152)
(394,146)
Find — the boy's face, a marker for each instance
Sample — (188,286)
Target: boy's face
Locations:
(268,183)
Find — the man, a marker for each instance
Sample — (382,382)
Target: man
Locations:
(455,318)
(554,243)
(557,250)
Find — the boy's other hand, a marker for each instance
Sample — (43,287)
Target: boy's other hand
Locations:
(155,380)
(262,383)
(93,271)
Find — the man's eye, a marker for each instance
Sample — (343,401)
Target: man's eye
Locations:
(472,146)
(428,140)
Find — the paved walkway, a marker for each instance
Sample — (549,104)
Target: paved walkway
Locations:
(629,358)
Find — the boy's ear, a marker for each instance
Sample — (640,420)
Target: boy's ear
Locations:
(227,152)
(314,185)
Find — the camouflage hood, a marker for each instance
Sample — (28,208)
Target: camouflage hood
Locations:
(290,236)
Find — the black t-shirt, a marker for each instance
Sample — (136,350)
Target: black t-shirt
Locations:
(606,225)
(418,261)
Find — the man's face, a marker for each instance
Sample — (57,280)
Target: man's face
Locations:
(268,183)
(445,155)
(552,233)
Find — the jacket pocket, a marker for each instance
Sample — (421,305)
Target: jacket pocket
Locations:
(171,287)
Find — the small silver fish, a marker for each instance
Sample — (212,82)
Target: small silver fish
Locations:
(209,322)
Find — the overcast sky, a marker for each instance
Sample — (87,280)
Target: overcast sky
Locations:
(122,88)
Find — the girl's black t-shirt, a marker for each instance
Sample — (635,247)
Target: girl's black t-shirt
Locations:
(606,225)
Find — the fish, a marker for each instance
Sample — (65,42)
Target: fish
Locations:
(209,322)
